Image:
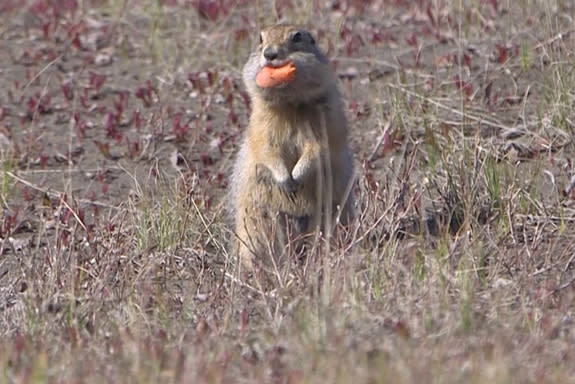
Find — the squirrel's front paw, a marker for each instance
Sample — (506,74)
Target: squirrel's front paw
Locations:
(289,187)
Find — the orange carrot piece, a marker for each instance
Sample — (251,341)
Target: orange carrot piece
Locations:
(269,77)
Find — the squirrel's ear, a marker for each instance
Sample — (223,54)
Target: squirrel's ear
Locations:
(311,39)
(261,38)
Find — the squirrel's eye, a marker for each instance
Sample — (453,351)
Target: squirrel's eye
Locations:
(261,39)
(296,37)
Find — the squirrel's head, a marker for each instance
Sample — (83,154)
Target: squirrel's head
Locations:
(282,45)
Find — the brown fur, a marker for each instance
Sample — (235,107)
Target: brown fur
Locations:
(294,168)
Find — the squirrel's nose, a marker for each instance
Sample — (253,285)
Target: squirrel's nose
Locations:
(270,53)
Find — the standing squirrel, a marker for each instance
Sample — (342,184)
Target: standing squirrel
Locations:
(294,171)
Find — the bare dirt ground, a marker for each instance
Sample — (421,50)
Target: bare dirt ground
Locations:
(119,122)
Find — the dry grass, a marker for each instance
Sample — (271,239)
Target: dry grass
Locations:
(119,121)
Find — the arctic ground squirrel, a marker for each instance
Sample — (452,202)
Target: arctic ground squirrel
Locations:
(294,170)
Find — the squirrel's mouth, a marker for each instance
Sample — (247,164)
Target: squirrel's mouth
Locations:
(277,63)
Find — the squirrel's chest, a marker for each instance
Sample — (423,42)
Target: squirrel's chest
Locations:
(287,133)
(296,131)
(293,143)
